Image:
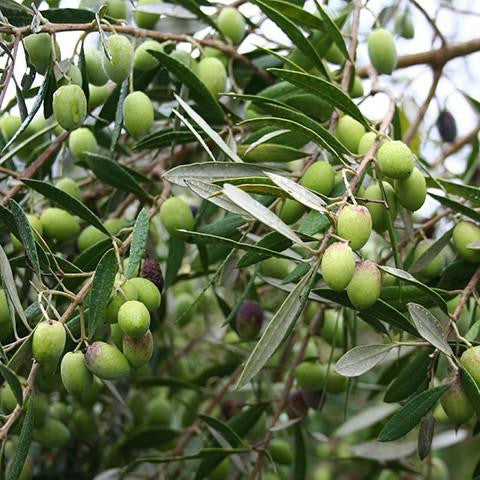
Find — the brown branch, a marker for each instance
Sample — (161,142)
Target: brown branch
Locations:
(436,58)
(467,292)
(11,68)
(430,20)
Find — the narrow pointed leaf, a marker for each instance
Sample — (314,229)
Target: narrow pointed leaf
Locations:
(361,359)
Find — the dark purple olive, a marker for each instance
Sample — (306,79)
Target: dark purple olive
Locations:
(249,319)
(447,127)
(313,398)
(296,406)
(231,406)
(151,270)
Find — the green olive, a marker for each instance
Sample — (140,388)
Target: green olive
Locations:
(280,451)
(118,67)
(364,288)
(377,210)
(52,434)
(48,342)
(146,19)
(138,351)
(435,266)
(412,191)
(70,186)
(137,114)
(143,60)
(76,377)
(231,24)
(94,66)
(148,293)
(81,141)
(39,49)
(212,73)
(349,131)
(319,177)
(175,214)
(134,318)
(382,51)
(69,106)
(106,361)
(354,223)
(395,160)
(464,235)
(338,265)
(58,224)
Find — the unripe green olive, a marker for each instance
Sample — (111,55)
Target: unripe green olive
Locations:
(116,335)
(72,75)
(249,319)
(69,106)
(319,177)
(388,475)
(124,292)
(176,214)
(289,210)
(9,124)
(119,66)
(95,71)
(338,265)
(332,328)
(395,160)
(59,411)
(84,423)
(40,409)
(92,394)
(382,51)
(106,361)
(98,95)
(404,26)
(148,293)
(58,224)
(364,288)
(464,234)
(8,401)
(214,52)
(356,90)
(377,210)
(275,267)
(183,302)
(117,8)
(36,224)
(159,411)
(334,55)
(70,186)
(138,351)
(52,434)
(435,266)
(412,191)
(310,376)
(212,73)
(145,19)
(280,451)
(39,49)
(76,377)
(81,141)
(4,311)
(221,471)
(470,360)
(48,342)
(134,318)
(323,472)
(137,114)
(366,142)
(231,24)
(142,59)
(185,58)
(456,404)
(349,131)
(354,223)
(90,236)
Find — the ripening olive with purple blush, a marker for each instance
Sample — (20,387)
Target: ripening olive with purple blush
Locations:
(249,319)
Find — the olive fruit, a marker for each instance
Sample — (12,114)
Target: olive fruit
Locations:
(338,265)
(70,186)
(175,214)
(72,75)
(59,411)
(4,310)
(137,114)
(275,267)
(412,191)
(280,451)
(116,335)
(456,404)
(314,377)
(183,310)
(93,63)
(382,51)
(334,55)
(470,360)
(98,96)
(447,126)
(146,19)
(39,50)
(231,24)
(148,293)
(119,65)
(332,328)
(69,106)
(37,226)
(106,361)
(464,234)
(76,377)
(143,60)
(212,73)
(58,224)
(313,398)
(84,423)
(356,90)
(52,434)
(159,411)
(395,159)
(48,341)
(364,288)
(221,471)
(214,52)
(8,401)
(151,271)
(117,8)
(435,266)
(377,210)
(404,26)
(354,223)
(349,131)
(90,236)
(289,210)
(249,319)
(138,351)
(366,142)
(9,124)
(319,177)
(134,318)
(81,141)
(296,406)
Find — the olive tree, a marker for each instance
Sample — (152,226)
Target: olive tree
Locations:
(218,260)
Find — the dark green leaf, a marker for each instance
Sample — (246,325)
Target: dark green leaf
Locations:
(457,206)
(68,15)
(176,251)
(117,127)
(223,428)
(101,290)
(297,14)
(139,243)
(410,414)
(165,138)
(332,29)
(300,456)
(428,255)
(148,437)
(83,70)
(273,241)
(472,390)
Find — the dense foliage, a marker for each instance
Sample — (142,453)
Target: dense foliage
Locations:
(214,264)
